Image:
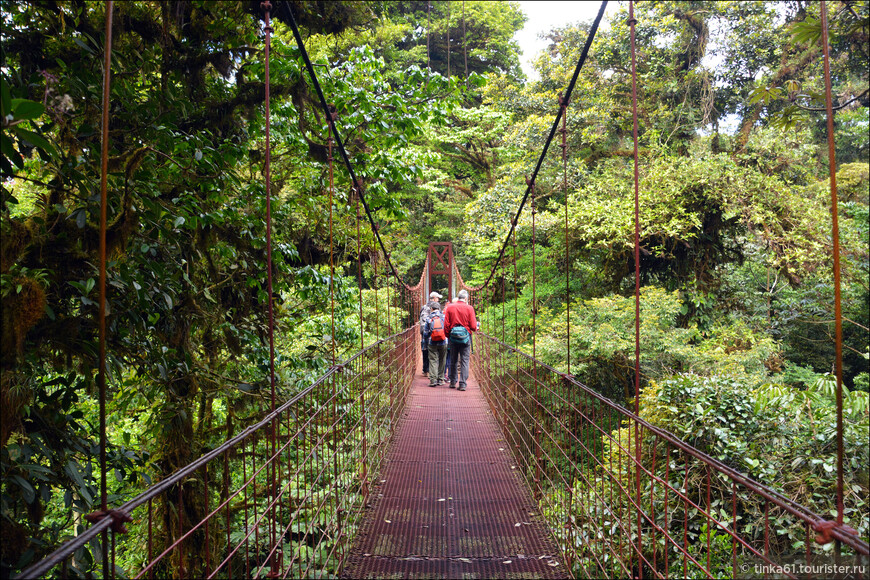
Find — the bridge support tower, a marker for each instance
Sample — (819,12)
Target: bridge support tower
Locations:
(440,263)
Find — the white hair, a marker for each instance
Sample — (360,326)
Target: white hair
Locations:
(463,295)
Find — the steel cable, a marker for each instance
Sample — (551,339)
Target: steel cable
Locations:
(339,142)
(568,91)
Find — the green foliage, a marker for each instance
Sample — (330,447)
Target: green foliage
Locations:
(746,430)
(602,343)
(798,376)
(692,210)
(734,233)
(49,468)
(820,394)
(487,40)
(17,114)
(793,453)
(791,96)
(487,214)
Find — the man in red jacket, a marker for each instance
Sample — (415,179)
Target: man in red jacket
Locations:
(460,322)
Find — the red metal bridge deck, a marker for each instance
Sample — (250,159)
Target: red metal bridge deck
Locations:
(450,503)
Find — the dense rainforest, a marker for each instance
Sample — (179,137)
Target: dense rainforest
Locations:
(442,127)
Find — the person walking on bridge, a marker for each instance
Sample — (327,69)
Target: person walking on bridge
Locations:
(460,322)
(447,365)
(425,312)
(435,329)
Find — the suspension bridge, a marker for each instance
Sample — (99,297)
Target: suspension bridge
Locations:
(369,473)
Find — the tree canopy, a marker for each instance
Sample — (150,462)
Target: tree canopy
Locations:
(441,126)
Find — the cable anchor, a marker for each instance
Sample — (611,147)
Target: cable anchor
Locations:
(119,518)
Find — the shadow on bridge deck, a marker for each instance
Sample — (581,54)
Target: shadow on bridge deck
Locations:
(450,503)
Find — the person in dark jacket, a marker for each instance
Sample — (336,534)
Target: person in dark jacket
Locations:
(437,345)
(434,298)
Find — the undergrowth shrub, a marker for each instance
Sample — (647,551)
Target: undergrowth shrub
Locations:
(777,435)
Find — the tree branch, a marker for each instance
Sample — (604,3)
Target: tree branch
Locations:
(837,108)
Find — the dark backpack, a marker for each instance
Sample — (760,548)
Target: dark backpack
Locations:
(459,335)
(436,323)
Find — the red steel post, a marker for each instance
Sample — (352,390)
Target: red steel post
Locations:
(835,235)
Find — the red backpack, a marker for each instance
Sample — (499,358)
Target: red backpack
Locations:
(437,324)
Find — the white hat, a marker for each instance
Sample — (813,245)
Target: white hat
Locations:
(435,295)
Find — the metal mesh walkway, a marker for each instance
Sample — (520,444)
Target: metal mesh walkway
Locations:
(450,503)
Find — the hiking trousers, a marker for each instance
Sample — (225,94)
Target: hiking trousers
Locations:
(437,361)
(460,356)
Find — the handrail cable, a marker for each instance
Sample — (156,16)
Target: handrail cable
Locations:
(774,496)
(45,565)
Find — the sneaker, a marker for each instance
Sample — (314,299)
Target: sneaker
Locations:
(461,387)
(452,385)
(433,384)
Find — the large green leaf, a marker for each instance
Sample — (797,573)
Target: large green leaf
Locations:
(35,139)
(23,109)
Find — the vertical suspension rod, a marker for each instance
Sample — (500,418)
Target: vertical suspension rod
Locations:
(563,103)
(464,45)
(835,234)
(331,254)
(332,334)
(362,345)
(516,292)
(632,22)
(448,39)
(537,425)
(266,6)
(377,298)
(503,298)
(104,195)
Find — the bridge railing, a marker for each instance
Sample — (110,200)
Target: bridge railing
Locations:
(627,499)
(261,505)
